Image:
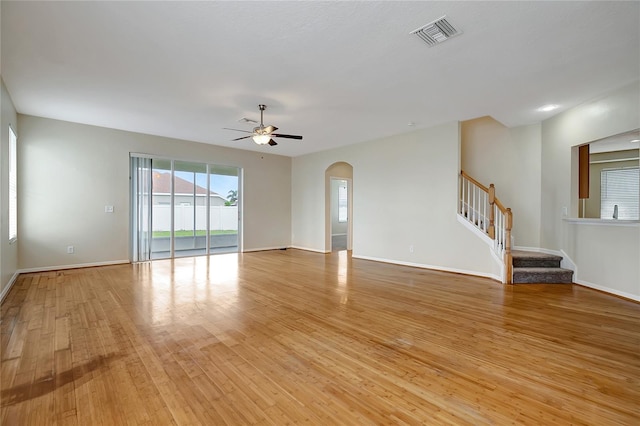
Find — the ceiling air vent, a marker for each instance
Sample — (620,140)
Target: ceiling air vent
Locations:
(436,32)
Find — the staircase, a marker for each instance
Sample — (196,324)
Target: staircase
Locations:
(532,267)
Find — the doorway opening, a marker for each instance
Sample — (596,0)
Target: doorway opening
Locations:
(338,207)
(339,214)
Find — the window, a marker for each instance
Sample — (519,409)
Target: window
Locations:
(342,201)
(13,186)
(619,193)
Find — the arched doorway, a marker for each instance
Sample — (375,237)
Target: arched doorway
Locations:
(339,206)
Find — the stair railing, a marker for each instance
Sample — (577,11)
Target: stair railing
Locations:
(474,203)
(480,206)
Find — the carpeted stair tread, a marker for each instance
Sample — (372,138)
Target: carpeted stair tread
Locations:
(523,259)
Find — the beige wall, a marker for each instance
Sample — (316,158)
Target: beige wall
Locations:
(69,172)
(607,255)
(510,159)
(8,252)
(420,169)
(608,248)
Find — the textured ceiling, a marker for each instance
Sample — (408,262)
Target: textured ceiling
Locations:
(336,72)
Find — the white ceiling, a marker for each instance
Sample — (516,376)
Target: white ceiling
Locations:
(621,142)
(336,72)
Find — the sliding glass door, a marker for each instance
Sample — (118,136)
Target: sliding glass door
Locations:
(189,208)
(140,208)
(224,215)
(161,214)
(193,208)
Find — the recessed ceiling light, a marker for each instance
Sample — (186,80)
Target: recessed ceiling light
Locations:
(547,108)
(635,141)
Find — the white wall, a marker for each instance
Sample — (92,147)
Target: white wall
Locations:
(510,159)
(8,252)
(420,169)
(75,170)
(607,255)
(597,252)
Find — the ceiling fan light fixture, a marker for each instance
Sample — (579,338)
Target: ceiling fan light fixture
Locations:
(262,135)
(261,139)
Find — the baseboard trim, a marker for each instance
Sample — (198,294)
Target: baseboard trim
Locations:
(608,290)
(500,263)
(309,249)
(10,284)
(431,267)
(75,266)
(264,249)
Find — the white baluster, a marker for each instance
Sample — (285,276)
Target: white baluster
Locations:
(460,189)
(484,213)
(468,201)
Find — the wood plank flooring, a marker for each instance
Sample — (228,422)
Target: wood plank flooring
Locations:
(294,337)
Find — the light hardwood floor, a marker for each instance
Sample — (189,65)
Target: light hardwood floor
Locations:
(288,337)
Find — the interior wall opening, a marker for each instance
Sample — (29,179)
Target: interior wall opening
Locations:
(610,187)
(339,207)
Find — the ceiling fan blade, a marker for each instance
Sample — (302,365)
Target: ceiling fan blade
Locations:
(244,137)
(237,130)
(270,129)
(280,135)
(273,143)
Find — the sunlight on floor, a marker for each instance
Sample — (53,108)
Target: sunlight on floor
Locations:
(343,280)
(183,283)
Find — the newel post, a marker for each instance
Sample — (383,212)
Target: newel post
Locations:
(492,211)
(508,260)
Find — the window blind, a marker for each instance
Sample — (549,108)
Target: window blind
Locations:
(621,188)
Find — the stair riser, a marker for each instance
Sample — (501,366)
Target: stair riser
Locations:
(544,278)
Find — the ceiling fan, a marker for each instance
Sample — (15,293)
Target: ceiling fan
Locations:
(263,135)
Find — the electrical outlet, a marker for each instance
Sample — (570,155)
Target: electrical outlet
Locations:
(565,212)
(70,249)
(411,248)
(108,209)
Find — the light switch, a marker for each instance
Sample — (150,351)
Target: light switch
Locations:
(108,209)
